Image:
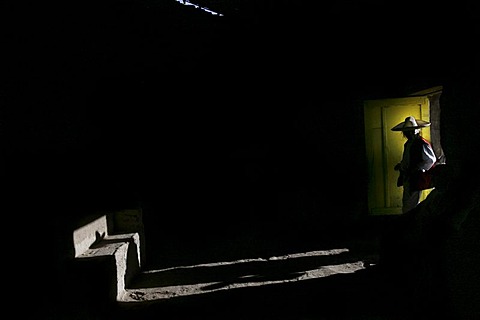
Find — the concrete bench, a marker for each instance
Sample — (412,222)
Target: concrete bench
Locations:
(107,256)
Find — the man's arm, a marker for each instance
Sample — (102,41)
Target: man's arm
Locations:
(428,157)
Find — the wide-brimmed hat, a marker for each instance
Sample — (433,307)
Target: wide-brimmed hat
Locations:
(410,123)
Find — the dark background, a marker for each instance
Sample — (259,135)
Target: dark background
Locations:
(221,128)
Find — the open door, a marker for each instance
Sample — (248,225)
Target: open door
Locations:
(384,148)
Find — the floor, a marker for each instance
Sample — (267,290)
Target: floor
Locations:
(341,282)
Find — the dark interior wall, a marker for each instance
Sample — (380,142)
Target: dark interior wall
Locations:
(118,97)
(459,121)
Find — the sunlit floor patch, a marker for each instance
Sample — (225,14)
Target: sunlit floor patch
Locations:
(206,278)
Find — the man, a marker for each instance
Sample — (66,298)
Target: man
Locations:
(418,157)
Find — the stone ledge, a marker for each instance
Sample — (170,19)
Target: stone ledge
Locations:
(119,256)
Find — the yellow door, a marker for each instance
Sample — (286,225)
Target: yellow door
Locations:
(385,147)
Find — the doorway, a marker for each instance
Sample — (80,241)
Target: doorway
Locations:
(384,147)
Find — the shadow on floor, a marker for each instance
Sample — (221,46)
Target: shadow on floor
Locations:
(363,294)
